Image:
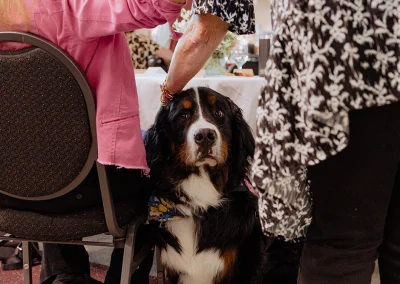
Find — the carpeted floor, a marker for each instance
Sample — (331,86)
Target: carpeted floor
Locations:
(97,271)
(16,277)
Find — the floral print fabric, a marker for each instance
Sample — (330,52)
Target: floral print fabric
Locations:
(238,13)
(328,57)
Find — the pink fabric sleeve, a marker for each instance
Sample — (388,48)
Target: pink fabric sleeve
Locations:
(93,19)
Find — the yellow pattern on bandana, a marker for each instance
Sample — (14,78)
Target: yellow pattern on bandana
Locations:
(162,210)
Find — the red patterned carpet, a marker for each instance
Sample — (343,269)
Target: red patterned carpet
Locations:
(16,277)
(97,271)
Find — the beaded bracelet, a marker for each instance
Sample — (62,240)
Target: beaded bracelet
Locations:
(166,96)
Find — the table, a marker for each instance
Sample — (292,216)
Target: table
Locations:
(244,91)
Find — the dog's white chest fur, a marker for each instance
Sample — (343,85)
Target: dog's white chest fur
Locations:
(201,191)
(195,268)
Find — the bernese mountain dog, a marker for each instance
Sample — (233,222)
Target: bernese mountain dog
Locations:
(199,151)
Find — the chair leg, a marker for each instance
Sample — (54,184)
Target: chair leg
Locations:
(27,260)
(160,269)
(129,252)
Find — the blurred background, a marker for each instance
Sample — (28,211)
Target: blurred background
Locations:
(154,48)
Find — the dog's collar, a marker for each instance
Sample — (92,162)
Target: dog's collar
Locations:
(246,187)
(250,188)
(162,210)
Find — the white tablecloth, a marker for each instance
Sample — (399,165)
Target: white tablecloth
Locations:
(244,91)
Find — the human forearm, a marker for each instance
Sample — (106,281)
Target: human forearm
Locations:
(202,37)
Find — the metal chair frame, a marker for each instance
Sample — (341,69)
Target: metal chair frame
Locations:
(122,237)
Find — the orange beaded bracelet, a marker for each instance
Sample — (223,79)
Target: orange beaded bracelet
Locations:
(166,96)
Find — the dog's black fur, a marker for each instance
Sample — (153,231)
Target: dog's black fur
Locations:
(232,228)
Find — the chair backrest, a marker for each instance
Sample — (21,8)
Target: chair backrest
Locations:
(48,139)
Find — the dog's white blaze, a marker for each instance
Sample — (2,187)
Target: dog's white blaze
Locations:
(194,268)
(201,123)
(201,268)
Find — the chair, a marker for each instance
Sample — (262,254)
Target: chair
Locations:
(48,151)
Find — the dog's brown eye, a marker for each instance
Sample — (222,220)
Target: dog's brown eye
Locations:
(219,114)
(184,115)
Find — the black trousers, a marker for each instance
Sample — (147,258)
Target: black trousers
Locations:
(357,205)
(125,184)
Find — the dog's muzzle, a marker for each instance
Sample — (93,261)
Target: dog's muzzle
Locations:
(205,142)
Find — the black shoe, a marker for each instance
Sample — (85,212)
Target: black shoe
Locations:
(74,279)
(11,256)
(12,263)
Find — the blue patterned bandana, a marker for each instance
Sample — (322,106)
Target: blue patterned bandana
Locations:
(162,210)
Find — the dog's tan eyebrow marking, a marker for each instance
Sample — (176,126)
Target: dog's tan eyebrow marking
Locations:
(187,104)
(212,99)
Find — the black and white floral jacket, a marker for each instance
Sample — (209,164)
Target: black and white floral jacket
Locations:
(328,57)
(238,13)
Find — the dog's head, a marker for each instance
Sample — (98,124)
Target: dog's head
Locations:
(201,128)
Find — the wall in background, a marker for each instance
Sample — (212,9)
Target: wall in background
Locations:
(263,14)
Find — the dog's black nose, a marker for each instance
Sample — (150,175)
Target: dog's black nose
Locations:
(205,137)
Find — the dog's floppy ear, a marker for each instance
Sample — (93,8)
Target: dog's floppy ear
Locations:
(156,141)
(242,147)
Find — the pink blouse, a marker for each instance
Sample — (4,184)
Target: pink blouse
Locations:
(92,32)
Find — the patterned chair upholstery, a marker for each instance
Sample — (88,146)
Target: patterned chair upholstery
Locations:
(48,152)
